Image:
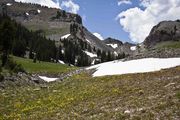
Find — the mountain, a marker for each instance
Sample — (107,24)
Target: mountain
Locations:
(114,43)
(72,39)
(162,42)
(35,17)
(53,23)
(120,47)
(163,32)
(95,41)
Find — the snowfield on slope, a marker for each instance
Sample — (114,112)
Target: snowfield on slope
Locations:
(65,36)
(113,45)
(9,4)
(47,79)
(133,48)
(60,61)
(88,41)
(90,54)
(39,11)
(134,66)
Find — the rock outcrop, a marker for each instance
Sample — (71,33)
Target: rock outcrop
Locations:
(164,31)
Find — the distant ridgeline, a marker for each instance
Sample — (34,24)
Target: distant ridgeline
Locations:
(20,10)
(36,32)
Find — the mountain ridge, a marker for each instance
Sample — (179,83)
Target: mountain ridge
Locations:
(162,32)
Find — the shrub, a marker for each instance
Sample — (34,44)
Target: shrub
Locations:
(18,68)
(13,66)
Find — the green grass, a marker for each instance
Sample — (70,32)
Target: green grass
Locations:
(59,31)
(103,98)
(173,45)
(47,29)
(42,67)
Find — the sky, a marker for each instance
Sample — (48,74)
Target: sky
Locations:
(126,20)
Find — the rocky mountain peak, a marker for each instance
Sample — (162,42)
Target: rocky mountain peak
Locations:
(32,12)
(164,31)
(110,40)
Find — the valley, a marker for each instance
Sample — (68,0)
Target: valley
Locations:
(54,68)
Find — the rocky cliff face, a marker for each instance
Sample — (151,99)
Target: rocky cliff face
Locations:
(35,17)
(110,40)
(164,31)
(95,42)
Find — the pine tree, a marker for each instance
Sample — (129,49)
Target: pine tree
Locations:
(99,53)
(103,57)
(7,33)
(109,57)
(19,47)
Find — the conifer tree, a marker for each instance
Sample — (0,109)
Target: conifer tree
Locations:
(7,33)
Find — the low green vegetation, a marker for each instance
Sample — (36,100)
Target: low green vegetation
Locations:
(47,30)
(10,66)
(145,96)
(173,45)
(59,31)
(178,95)
(41,67)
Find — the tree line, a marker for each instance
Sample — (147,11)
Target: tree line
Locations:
(16,39)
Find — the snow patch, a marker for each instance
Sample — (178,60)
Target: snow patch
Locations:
(134,66)
(47,79)
(76,60)
(90,54)
(93,62)
(115,53)
(133,48)
(9,4)
(113,45)
(62,51)
(39,11)
(88,41)
(65,36)
(127,112)
(60,61)
(27,14)
(99,36)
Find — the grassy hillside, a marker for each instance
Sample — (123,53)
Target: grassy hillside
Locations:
(145,96)
(46,67)
(169,44)
(49,29)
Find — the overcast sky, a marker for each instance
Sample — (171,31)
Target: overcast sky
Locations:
(126,20)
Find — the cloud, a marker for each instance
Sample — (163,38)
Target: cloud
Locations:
(145,3)
(138,22)
(48,3)
(70,6)
(120,2)
(98,36)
